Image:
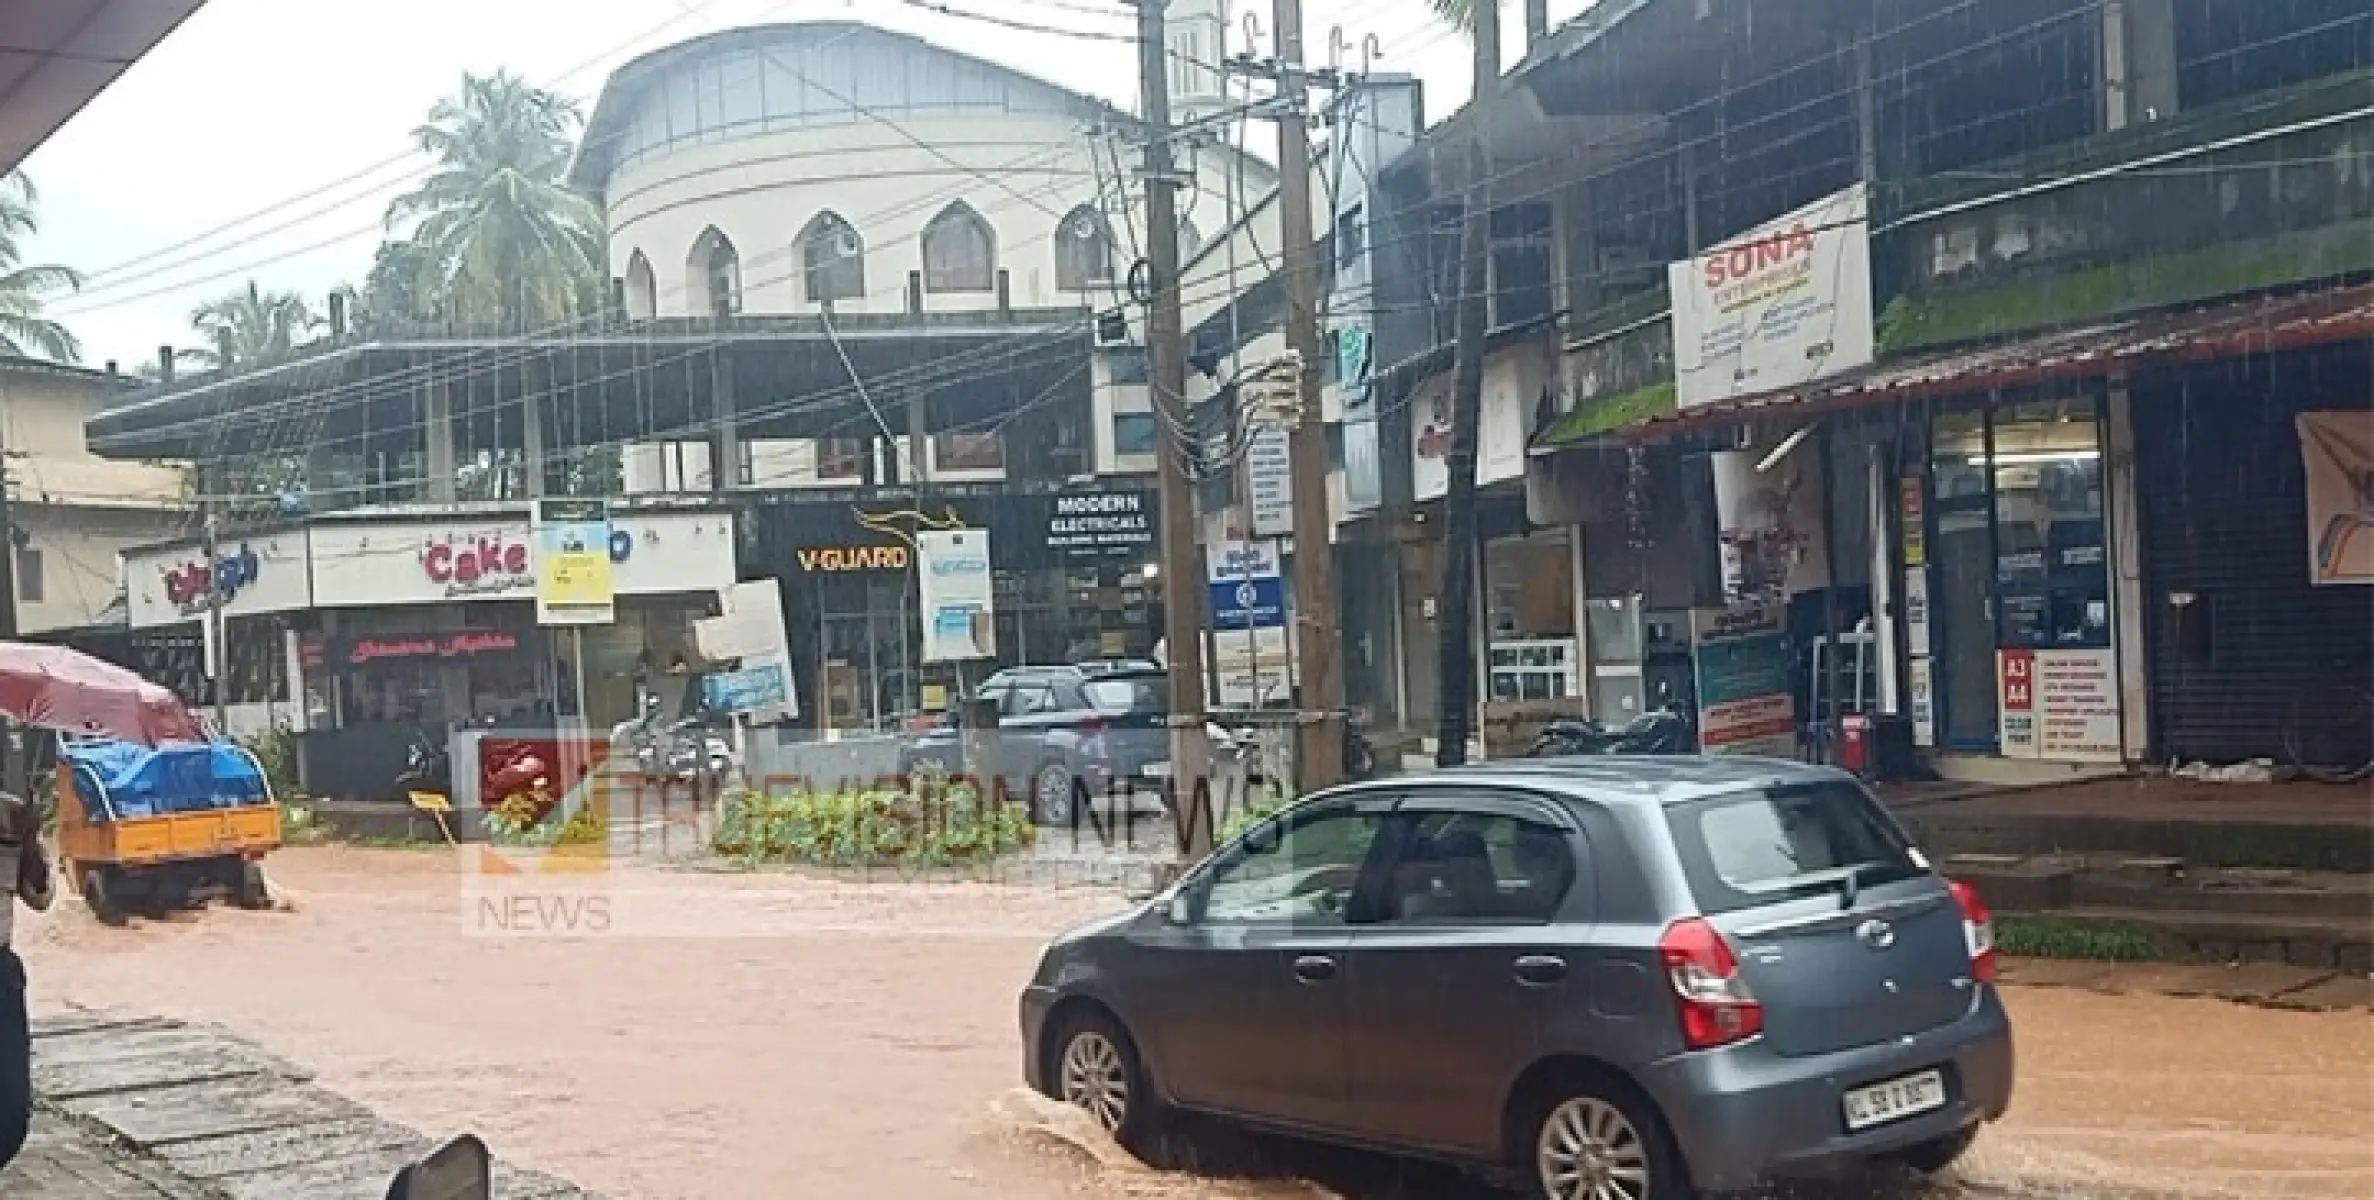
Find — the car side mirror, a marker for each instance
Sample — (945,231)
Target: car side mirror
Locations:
(1182,908)
(461,1169)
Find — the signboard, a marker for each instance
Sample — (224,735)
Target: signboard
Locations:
(1097,525)
(1924,703)
(1913,501)
(1916,612)
(2060,705)
(1269,481)
(373,564)
(573,550)
(1784,304)
(957,595)
(2338,451)
(259,575)
(2077,694)
(1744,703)
(747,690)
(2015,703)
(1248,589)
(362,653)
(1250,647)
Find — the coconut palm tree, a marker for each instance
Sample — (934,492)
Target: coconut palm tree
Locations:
(250,325)
(1455,630)
(499,232)
(23,330)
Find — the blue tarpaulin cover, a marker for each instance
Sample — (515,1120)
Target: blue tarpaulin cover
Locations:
(142,781)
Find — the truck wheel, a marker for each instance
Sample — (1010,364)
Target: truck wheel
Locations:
(252,893)
(98,887)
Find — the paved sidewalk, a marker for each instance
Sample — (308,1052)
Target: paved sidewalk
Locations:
(62,1161)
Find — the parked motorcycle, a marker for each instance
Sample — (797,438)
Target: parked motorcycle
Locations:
(1666,730)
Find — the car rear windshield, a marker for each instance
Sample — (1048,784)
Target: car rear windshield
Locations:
(1749,849)
(1142,693)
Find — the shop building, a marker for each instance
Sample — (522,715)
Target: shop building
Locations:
(360,628)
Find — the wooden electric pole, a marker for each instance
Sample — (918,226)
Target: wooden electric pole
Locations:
(1455,672)
(1318,628)
(1166,361)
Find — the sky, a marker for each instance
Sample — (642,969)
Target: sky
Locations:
(264,138)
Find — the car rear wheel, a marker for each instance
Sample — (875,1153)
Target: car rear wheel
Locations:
(1595,1142)
(1096,1070)
(1051,795)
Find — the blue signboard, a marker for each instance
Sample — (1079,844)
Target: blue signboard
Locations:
(1256,603)
(746,690)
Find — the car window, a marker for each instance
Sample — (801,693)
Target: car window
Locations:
(1140,694)
(1303,875)
(1465,868)
(1753,848)
(1023,699)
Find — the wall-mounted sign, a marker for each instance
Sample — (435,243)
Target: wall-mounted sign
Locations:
(1269,481)
(2015,702)
(1913,503)
(575,549)
(957,595)
(1784,304)
(188,586)
(1744,702)
(1090,525)
(2338,450)
(360,653)
(485,565)
(2077,697)
(1924,702)
(831,560)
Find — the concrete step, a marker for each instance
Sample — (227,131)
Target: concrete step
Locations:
(2048,883)
(2341,945)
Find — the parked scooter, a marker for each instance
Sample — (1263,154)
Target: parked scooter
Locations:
(1666,730)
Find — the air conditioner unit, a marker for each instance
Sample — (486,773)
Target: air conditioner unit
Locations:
(1112,328)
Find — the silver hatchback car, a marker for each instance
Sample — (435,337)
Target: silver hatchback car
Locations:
(1621,979)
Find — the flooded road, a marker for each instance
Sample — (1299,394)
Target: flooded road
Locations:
(866,1046)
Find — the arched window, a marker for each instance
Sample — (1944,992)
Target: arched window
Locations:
(959,251)
(1083,251)
(716,269)
(642,289)
(834,258)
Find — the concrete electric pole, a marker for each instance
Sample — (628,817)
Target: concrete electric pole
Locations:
(1183,584)
(1317,624)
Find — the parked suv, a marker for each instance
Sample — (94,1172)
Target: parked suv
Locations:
(1612,977)
(1096,729)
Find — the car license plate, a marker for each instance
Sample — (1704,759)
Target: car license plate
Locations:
(1895,1100)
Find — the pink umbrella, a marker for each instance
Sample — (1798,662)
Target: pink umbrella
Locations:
(57,688)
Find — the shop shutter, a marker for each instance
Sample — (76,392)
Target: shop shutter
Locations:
(2223,516)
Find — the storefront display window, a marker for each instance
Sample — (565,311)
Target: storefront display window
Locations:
(1529,610)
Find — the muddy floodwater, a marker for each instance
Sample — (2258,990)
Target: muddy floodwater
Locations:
(862,1043)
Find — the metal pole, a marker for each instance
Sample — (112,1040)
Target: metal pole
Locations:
(1318,651)
(1183,577)
(214,620)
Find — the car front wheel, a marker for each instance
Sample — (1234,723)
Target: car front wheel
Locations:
(1096,1070)
(1594,1142)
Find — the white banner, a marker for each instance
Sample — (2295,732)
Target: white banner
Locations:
(1782,305)
(958,595)
(2338,450)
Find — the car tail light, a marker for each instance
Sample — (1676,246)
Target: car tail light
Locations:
(1716,1006)
(1978,929)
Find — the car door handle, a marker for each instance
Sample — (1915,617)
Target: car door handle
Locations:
(1540,969)
(1314,968)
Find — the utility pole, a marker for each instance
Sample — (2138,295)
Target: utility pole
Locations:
(1456,630)
(1166,360)
(1317,626)
(13,752)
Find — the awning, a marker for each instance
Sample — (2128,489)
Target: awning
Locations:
(57,54)
(2196,335)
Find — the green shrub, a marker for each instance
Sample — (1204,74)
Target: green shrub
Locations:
(276,752)
(928,825)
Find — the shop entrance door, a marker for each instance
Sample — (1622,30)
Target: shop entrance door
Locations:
(1962,605)
(866,662)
